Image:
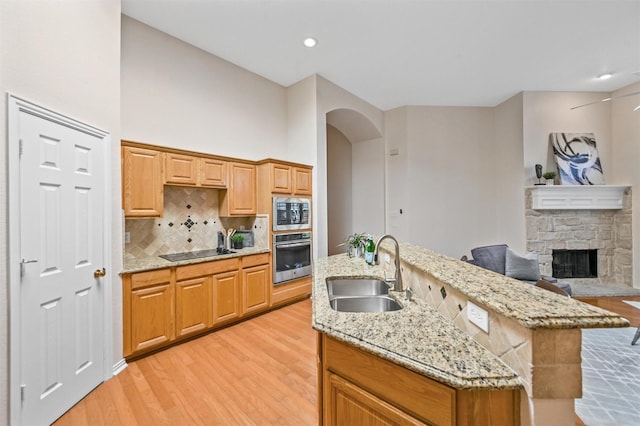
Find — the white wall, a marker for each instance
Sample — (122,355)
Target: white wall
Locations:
(339,190)
(509,172)
(64,56)
(176,95)
(442,176)
(367,182)
(626,158)
(303,130)
(396,180)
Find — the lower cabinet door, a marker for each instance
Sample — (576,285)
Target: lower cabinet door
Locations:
(255,289)
(349,404)
(226,296)
(152,317)
(193,306)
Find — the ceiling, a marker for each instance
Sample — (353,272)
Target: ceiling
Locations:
(394,53)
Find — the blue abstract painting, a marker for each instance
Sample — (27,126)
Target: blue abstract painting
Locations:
(577,158)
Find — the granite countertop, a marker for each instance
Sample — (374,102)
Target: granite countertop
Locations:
(142,264)
(509,297)
(416,337)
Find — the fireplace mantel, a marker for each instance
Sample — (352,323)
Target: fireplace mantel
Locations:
(577,197)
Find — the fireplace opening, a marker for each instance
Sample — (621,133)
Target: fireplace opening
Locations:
(575,263)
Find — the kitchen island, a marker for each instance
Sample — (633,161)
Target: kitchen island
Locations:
(525,369)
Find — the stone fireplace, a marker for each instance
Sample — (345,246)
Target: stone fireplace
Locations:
(605,231)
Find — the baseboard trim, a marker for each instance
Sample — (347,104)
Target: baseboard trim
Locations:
(119,366)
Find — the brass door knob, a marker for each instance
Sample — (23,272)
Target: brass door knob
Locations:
(99,273)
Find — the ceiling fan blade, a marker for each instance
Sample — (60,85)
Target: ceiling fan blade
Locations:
(608,99)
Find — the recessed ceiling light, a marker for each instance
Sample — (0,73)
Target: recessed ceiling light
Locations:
(310,42)
(605,76)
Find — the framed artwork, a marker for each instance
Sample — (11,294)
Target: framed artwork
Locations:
(577,158)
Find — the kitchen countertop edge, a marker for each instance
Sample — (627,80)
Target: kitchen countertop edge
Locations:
(151,263)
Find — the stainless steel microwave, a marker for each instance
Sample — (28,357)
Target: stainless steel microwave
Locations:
(291,213)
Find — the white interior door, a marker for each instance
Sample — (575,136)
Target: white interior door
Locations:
(61,304)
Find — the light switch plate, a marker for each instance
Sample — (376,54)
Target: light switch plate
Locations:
(387,258)
(478,316)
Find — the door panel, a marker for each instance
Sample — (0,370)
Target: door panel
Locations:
(61,236)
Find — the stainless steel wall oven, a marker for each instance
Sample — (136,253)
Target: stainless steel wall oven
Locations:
(291,256)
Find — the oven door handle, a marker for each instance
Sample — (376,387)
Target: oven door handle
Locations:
(286,245)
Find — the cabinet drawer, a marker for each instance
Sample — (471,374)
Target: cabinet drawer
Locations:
(146,279)
(207,268)
(258,259)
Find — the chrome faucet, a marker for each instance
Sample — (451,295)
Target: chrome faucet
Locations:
(397,281)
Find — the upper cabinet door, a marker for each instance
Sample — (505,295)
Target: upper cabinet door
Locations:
(281,178)
(142,182)
(213,173)
(301,181)
(240,199)
(181,169)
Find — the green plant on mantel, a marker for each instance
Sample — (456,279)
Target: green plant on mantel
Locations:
(549,175)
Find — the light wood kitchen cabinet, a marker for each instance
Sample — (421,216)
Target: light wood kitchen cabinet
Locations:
(288,179)
(180,169)
(256,283)
(240,198)
(357,387)
(189,170)
(213,173)
(148,311)
(301,181)
(352,405)
(281,178)
(193,306)
(226,297)
(291,290)
(142,182)
(215,293)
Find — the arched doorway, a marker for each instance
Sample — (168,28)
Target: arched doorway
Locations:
(355,177)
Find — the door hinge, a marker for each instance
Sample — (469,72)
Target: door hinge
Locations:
(22,388)
(20,149)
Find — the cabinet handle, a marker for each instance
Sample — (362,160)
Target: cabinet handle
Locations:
(99,273)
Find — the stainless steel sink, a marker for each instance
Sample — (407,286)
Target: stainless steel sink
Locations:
(356,287)
(365,304)
(360,295)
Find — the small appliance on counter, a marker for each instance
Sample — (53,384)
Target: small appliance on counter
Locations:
(248,237)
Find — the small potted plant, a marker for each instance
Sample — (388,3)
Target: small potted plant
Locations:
(355,244)
(549,176)
(237,241)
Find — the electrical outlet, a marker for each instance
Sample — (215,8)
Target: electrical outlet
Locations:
(127,237)
(387,258)
(478,316)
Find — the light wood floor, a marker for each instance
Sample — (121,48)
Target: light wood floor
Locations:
(258,372)
(616,304)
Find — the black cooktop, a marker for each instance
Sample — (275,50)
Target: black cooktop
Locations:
(187,255)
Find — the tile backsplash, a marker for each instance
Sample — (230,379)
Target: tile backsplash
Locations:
(190,222)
